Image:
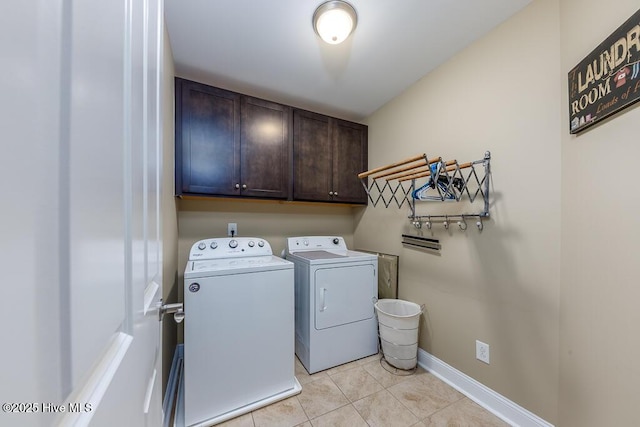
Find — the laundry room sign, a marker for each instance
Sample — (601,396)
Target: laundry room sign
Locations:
(608,79)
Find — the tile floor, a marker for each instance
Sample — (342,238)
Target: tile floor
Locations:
(363,393)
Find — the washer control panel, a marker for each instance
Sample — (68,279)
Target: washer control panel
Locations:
(229,247)
(314,243)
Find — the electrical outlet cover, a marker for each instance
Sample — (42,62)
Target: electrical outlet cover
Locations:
(482,352)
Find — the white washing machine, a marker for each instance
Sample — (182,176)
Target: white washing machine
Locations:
(238,329)
(335,293)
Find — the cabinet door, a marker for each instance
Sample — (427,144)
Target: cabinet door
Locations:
(349,159)
(312,158)
(207,139)
(265,144)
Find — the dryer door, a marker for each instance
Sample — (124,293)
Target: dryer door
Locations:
(344,295)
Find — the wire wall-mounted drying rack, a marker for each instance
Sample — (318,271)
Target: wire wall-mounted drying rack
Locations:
(424,178)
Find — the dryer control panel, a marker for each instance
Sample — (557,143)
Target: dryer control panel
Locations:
(314,243)
(229,247)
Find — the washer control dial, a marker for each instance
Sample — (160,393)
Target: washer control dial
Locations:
(336,240)
(251,243)
(213,245)
(261,243)
(233,244)
(305,242)
(202,246)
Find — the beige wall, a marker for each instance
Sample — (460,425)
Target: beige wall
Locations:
(273,221)
(501,285)
(600,286)
(169,212)
(551,283)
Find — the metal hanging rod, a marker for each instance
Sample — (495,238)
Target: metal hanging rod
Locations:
(446,181)
(428,220)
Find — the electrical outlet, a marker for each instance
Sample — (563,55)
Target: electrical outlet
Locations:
(232,229)
(482,352)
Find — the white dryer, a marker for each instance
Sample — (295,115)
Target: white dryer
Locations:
(335,293)
(238,329)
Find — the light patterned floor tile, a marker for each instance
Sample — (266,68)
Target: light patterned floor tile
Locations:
(383,410)
(321,396)
(342,368)
(424,395)
(286,413)
(303,376)
(356,383)
(368,359)
(440,387)
(347,416)
(379,398)
(464,413)
(386,378)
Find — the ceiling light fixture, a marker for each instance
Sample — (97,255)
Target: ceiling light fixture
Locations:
(334,20)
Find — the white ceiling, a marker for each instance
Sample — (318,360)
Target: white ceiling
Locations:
(268,49)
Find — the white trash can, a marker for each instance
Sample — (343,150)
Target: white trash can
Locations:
(398,325)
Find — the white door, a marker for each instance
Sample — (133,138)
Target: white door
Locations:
(80,217)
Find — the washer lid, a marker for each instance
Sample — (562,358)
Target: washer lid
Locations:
(214,267)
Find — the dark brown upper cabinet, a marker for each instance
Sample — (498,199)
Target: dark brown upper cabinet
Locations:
(349,159)
(207,139)
(265,143)
(328,154)
(229,144)
(312,157)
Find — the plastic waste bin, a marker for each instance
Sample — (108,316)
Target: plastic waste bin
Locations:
(398,327)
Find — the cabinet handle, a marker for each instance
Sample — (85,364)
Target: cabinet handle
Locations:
(331,193)
(244,186)
(237,186)
(335,193)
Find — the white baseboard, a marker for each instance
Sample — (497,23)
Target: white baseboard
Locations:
(493,402)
